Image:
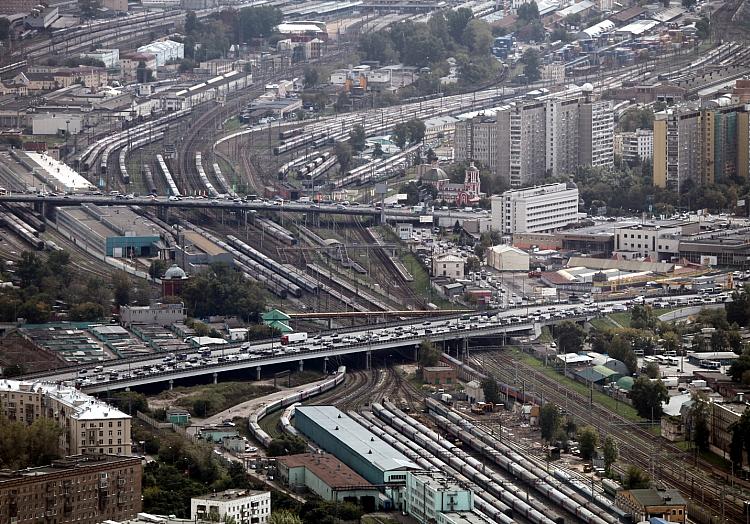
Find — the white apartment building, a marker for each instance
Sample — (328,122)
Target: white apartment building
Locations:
(596,130)
(244,506)
(535,209)
(431,493)
(635,146)
(89,425)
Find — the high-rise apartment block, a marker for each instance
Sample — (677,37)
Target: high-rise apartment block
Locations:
(701,146)
(635,146)
(89,425)
(534,139)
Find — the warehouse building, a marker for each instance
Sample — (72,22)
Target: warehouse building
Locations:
(114,231)
(85,489)
(507,258)
(354,445)
(329,478)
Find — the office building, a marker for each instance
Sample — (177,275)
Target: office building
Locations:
(367,454)
(429,493)
(89,425)
(242,506)
(14,7)
(657,241)
(81,489)
(327,477)
(535,209)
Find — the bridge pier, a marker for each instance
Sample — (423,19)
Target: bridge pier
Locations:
(171,384)
(301,365)
(368,360)
(465,349)
(257,373)
(216,378)
(325,366)
(416,353)
(127,388)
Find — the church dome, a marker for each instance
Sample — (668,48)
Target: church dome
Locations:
(174,272)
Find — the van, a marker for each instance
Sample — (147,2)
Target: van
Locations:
(638,352)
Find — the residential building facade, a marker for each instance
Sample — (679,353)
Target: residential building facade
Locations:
(635,146)
(535,209)
(450,266)
(596,126)
(82,489)
(241,506)
(89,425)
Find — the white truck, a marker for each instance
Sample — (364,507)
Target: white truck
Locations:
(445,398)
(293,338)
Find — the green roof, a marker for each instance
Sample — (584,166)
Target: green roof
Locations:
(604,371)
(275,314)
(281,326)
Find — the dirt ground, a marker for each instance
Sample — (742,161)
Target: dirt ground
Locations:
(14,349)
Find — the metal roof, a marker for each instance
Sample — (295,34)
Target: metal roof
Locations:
(357,438)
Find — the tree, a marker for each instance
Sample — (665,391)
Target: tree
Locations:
(4,28)
(472,265)
(642,317)
(377,151)
(671,341)
(457,21)
(416,130)
(400,135)
(30,269)
(703,28)
(491,390)
(621,348)
(357,138)
(477,36)
(739,368)
(342,102)
(343,152)
(530,61)
(588,439)
(636,478)
(611,452)
(157,268)
(528,12)
(88,7)
(719,340)
(648,396)
(86,311)
(652,370)
(698,422)
(569,336)
(284,516)
(222,291)
(637,118)
(312,77)
(257,22)
(286,445)
(121,285)
(549,421)
(429,354)
(688,4)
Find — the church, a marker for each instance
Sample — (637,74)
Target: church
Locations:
(467,194)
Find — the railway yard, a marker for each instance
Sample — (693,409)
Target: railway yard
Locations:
(227,184)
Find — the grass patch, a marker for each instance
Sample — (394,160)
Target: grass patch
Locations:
(270,424)
(207,400)
(600,398)
(233,124)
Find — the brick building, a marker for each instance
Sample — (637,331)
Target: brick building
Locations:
(85,489)
(439,375)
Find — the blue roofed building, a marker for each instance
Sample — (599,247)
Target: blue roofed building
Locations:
(357,447)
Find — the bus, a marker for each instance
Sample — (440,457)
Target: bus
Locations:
(3,191)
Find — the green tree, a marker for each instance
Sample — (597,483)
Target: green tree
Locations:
(377,151)
(642,317)
(611,452)
(30,269)
(429,354)
(621,348)
(703,28)
(416,130)
(652,370)
(343,152)
(257,22)
(286,445)
(636,478)
(477,36)
(157,268)
(400,135)
(342,102)
(530,61)
(588,440)
(719,340)
(528,12)
(357,138)
(648,396)
(121,285)
(637,118)
(549,421)
(671,341)
(88,7)
(86,311)
(457,20)
(284,516)
(312,77)
(491,390)
(739,368)
(698,422)
(569,336)
(688,4)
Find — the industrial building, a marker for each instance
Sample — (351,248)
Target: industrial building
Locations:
(53,173)
(429,493)
(655,240)
(378,462)
(643,504)
(238,505)
(505,257)
(164,51)
(196,253)
(115,231)
(82,489)
(91,426)
(329,478)
(156,314)
(535,209)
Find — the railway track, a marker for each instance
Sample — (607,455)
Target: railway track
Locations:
(664,462)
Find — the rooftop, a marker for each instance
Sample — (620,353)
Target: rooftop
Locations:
(84,407)
(71,462)
(334,473)
(370,447)
(231,494)
(63,174)
(652,497)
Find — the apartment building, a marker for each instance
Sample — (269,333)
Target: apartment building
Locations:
(724,141)
(677,151)
(242,506)
(89,425)
(533,139)
(431,493)
(535,209)
(81,489)
(635,146)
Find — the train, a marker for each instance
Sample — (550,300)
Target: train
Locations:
(225,187)
(315,139)
(22,229)
(308,168)
(173,190)
(520,467)
(278,232)
(202,175)
(289,133)
(148,180)
(299,396)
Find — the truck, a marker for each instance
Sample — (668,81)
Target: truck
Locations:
(293,338)
(445,398)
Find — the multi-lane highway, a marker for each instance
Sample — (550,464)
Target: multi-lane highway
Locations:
(125,373)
